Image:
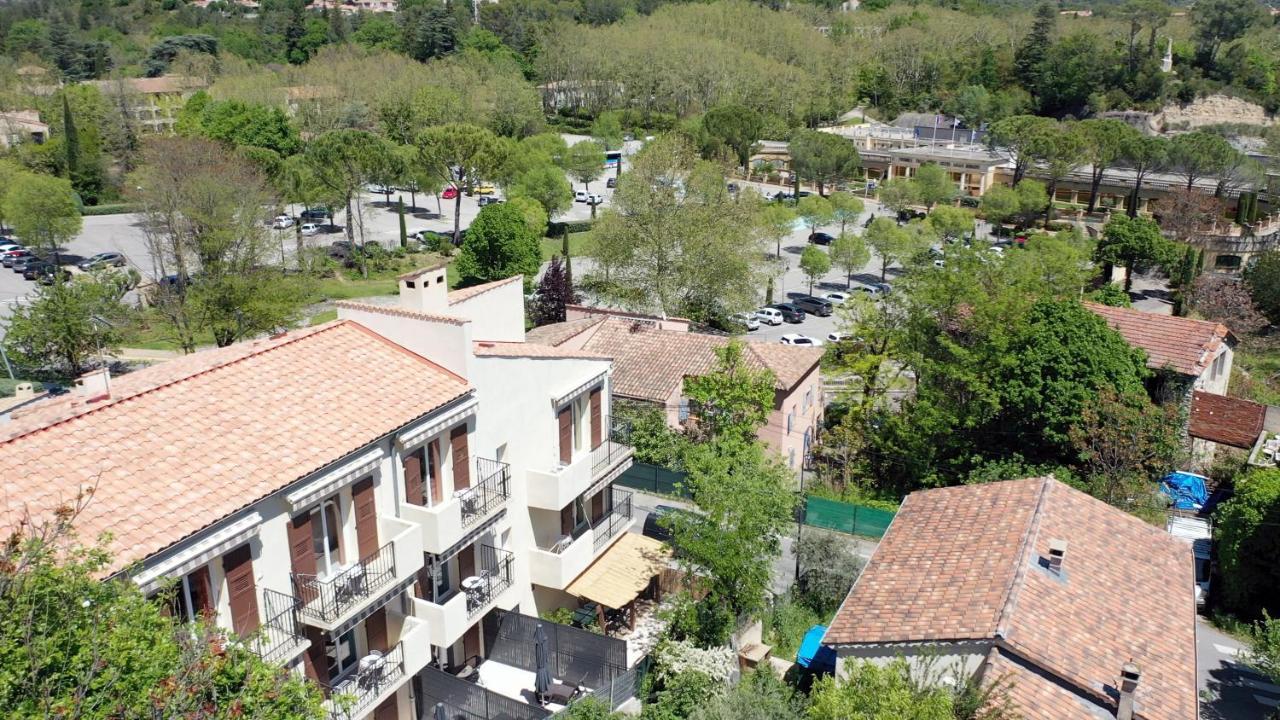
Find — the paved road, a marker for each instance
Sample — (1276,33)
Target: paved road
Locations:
(1230,690)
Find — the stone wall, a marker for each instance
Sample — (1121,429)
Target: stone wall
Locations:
(1212,110)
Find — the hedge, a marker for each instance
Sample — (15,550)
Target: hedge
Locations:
(557,229)
(116,209)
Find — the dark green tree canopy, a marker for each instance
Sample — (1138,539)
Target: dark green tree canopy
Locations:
(499,244)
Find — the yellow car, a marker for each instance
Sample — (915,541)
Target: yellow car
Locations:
(485,189)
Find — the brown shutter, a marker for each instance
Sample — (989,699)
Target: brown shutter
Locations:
(433,472)
(566,519)
(314,663)
(241,591)
(467,562)
(201,591)
(471,642)
(366,517)
(375,630)
(597,506)
(422,587)
(566,434)
(461,458)
(412,467)
(596,421)
(302,552)
(388,710)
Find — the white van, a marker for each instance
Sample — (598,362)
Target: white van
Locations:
(769,316)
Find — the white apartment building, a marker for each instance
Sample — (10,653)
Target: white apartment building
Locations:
(348,500)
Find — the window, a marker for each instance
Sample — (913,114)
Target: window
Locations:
(191,596)
(341,653)
(684,409)
(326,536)
(580,518)
(1227,262)
(791,416)
(442,579)
(808,399)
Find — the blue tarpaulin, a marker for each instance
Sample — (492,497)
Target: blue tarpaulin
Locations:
(813,654)
(1186,489)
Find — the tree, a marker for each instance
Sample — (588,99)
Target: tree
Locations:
(545,185)
(1186,214)
(1144,155)
(1263,281)
(999,204)
(890,243)
(164,52)
(823,158)
(239,124)
(1264,646)
(672,242)
(1226,300)
(590,709)
(1032,200)
(777,221)
(71,139)
(1135,244)
(933,185)
(555,291)
(759,695)
(737,127)
(1195,155)
(607,130)
(951,223)
(873,692)
(43,211)
(428,29)
(95,647)
(462,154)
(1124,441)
(1105,142)
(1060,151)
(733,400)
(1217,22)
(898,195)
(815,211)
(845,208)
(499,244)
(828,568)
(64,326)
(585,162)
(850,253)
(342,162)
(1247,543)
(1029,59)
(1020,136)
(814,263)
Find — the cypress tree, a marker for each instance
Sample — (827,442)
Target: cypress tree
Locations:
(404,236)
(72,139)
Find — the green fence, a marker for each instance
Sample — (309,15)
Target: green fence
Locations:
(846,517)
(654,479)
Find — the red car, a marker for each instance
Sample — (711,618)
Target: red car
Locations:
(449,193)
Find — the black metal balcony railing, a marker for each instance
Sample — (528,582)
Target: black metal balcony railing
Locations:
(353,694)
(615,521)
(492,490)
(281,633)
(613,447)
(496,568)
(328,597)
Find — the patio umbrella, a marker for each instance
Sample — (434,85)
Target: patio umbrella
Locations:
(440,713)
(542,678)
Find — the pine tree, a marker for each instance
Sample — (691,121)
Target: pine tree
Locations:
(1028,61)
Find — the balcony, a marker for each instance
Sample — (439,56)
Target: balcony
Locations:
(280,638)
(556,488)
(558,565)
(353,694)
(454,614)
(327,599)
(496,570)
(444,524)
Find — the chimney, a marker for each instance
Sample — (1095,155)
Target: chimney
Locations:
(1129,676)
(1057,551)
(425,290)
(94,385)
(24,391)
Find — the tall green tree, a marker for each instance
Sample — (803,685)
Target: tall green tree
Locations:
(43,212)
(951,224)
(1105,142)
(815,211)
(1263,280)
(933,185)
(733,400)
(342,162)
(737,127)
(1061,151)
(1143,155)
(545,185)
(59,333)
(1217,22)
(461,154)
(1246,541)
(890,243)
(814,263)
(584,161)
(1029,59)
(845,207)
(1020,136)
(71,139)
(871,692)
(823,158)
(777,222)
(850,253)
(1135,244)
(1199,154)
(499,244)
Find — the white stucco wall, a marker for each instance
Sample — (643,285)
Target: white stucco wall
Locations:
(496,314)
(933,659)
(1217,376)
(444,343)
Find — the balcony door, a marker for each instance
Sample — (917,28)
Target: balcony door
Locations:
(242,593)
(597,419)
(315,540)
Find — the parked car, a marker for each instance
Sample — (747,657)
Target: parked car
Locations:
(836,336)
(6,246)
(315,215)
(34,268)
(310,228)
(581,196)
(9,257)
(47,273)
(770,316)
(20,263)
(488,200)
(746,320)
(654,527)
(798,339)
(450,193)
(101,260)
(821,238)
(611,182)
(485,188)
(281,222)
(594,199)
(815,305)
(836,298)
(790,312)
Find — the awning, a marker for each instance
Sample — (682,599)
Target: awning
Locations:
(622,572)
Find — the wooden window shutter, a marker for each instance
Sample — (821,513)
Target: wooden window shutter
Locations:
(201,591)
(566,519)
(314,663)
(461,458)
(566,434)
(242,593)
(467,562)
(375,630)
(597,421)
(424,584)
(388,710)
(597,506)
(362,499)
(302,554)
(433,472)
(412,467)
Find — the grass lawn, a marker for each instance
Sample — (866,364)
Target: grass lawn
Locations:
(551,246)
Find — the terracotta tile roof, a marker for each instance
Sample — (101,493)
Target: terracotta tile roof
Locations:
(532,350)
(465,294)
(389,309)
(559,333)
(1227,420)
(970,563)
(1183,344)
(185,443)
(650,364)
